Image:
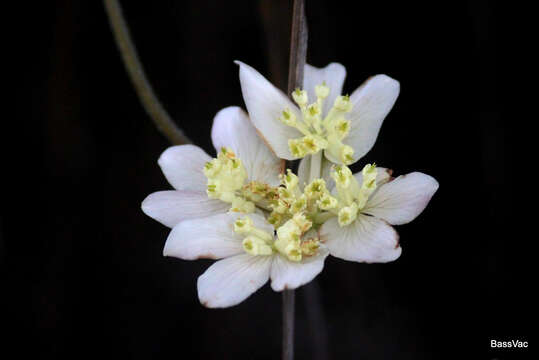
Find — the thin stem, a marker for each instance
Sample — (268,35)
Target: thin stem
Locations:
(298,53)
(289,299)
(138,77)
(298,46)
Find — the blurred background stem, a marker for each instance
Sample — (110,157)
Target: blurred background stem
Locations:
(134,67)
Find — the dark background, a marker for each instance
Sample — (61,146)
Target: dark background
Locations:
(82,266)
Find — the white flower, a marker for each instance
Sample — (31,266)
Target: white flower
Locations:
(344,127)
(249,257)
(370,202)
(184,165)
(206,212)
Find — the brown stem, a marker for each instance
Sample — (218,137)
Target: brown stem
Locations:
(138,77)
(289,299)
(298,53)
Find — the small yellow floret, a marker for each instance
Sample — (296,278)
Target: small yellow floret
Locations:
(256,241)
(290,180)
(226,176)
(256,246)
(327,202)
(342,128)
(322,91)
(300,97)
(342,103)
(316,189)
(289,234)
(288,117)
(310,247)
(342,176)
(368,185)
(348,214)
(320,131)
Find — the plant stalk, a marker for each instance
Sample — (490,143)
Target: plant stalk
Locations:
(298,54)
(134,68)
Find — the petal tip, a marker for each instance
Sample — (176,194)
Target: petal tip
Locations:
(389,81)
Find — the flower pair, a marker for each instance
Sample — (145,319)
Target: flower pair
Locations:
(266,224)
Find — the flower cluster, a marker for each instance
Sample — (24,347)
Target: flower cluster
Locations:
(266,224)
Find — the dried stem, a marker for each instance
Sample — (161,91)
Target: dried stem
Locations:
(298,53)
(298,46)
(138,77)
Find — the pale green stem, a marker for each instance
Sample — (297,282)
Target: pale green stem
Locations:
(316,166)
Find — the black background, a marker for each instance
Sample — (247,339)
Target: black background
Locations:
(84,273)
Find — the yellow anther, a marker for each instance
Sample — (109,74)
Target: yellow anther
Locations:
(284,199)
(313,110)
(243,225)
(211,168)
(342,128)
(315,189)
(289,234)
(299,205)
(313,144)
(275,219)
(347,153)
(256,241)
(226,176)
(310,247)
(241,205)
(302,222)
(294,253)
(348,214)
(322,91)
(346,184)
(300,97)
(327,202)
(256,246)
(342,103)
(297,148)
(368,185)
(290,180)
(312,116)
(288,117)
(319,132)
(342,176)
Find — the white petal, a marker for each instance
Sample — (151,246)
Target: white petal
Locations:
(230,281)
(232,128)
(172,206)
(372,102)
(183,165)
(265,104)
(403,199)
(333,75)
(287,274)
(367,239)
(210,238)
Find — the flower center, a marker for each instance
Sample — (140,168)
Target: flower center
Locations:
(289,241)
(226,175)
(289,238)
(291,201)
(320,133)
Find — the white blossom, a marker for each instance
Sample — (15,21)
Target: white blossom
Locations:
(321,119)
